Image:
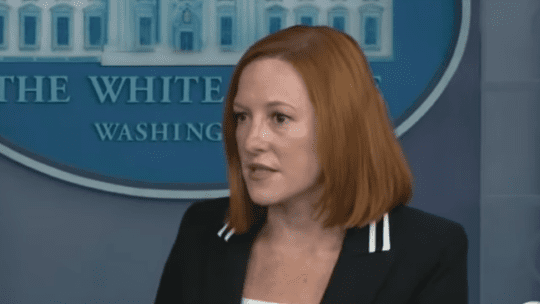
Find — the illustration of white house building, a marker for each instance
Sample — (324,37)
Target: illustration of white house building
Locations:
(177,32)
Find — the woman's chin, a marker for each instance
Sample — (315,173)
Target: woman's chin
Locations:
(263,199)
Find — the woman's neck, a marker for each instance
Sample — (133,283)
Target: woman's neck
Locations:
(293,228)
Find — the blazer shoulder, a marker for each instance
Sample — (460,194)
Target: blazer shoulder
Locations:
(206,211)
(428,224)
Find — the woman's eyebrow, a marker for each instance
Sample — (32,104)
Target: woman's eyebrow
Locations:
(270,104)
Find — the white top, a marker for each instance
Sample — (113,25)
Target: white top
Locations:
(250,301)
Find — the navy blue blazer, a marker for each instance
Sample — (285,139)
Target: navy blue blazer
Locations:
(424,260)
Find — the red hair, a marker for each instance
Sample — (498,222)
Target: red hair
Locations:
(364,171)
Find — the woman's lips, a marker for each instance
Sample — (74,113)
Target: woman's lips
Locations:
(260,174)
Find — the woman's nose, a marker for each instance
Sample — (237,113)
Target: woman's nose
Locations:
(257,137)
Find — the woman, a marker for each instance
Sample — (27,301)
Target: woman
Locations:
(318,192)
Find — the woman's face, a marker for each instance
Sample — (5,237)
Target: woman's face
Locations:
(276,128)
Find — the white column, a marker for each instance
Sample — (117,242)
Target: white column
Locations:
(258,13)
(254,23)
(323,7)
(78,31)
(45,28)
(162,47)
(390,33)
(351,20)
(165,24)
(130,25)
(243,19)
(208,20)
(112,23)
(355,24)
(13,28)
(290,16)
(124,34)
(120,20)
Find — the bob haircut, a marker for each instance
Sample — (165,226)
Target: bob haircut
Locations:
(364,172)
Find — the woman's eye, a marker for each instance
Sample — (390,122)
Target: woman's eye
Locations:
(280,118)
(238,115)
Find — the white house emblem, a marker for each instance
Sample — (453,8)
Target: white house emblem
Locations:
(127,96)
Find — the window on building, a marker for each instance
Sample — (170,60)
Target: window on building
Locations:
(275,24)
(186,41)
(306,15)
(339,23)
(29,27)
(337,18)
(95,26)
(157,13)
(145,30)
(371,31)
(370,27)
(62,25)
(226,26)
(306,21)
(226,30)
(4,37)
(1,30)
(62,16)
(30,24)
(275,18)
(146,22)
(95,31)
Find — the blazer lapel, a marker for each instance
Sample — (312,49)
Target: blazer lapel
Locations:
(235,262)
(359,274)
